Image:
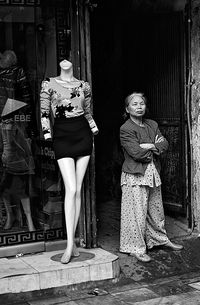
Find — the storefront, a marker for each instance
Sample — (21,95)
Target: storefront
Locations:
(42,33)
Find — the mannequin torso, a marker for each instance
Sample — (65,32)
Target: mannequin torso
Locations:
(65,96)
(73,83)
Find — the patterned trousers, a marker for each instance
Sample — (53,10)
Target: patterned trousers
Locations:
(142,219)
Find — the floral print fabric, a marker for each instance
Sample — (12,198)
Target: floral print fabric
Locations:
(64,102)
(151,177)
(142,214)
(142,219)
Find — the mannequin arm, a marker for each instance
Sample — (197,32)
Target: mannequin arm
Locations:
(87,108)
(45,107)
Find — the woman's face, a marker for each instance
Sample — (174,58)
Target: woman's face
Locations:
(65,64)
(136,107)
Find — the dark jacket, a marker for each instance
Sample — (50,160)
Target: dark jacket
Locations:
(137,158)
(14,85)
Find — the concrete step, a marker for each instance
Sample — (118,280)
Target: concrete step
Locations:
(44,270)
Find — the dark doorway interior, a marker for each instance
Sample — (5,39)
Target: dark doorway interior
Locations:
(138,51)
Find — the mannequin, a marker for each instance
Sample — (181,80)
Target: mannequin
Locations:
(72,136)
(17,162)
(14,86)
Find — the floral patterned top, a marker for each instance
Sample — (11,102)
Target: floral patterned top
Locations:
(65,102)
(151,177)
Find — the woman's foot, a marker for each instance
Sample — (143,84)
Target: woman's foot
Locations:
(145,258)
(172,246)
(65,259)
(75,251)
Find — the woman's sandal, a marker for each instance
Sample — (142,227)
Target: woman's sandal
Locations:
(145,258)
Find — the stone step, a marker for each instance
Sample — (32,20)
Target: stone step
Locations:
(44,270)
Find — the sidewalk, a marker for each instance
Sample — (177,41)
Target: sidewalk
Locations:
(170,278)
(173,291)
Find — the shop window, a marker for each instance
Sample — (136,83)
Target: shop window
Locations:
(34,38)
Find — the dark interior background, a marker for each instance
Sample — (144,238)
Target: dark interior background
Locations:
(137,46)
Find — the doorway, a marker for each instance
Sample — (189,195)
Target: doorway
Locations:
(145,52)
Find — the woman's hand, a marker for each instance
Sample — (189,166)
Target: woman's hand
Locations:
(148,146)
(151,146)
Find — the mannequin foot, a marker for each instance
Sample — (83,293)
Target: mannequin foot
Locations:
(65,259)
(31,227)
(9,223)
(30,224)
(75,251)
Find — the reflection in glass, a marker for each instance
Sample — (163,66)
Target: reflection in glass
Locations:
(17,162)
(30,198)
(15,141)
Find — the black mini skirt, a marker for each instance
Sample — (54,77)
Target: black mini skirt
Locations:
(72,137)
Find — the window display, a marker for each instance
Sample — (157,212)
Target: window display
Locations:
(33,41)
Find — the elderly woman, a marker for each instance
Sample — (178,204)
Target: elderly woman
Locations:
(142,214)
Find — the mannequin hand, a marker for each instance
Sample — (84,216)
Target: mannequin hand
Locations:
(95,130)
(158,140)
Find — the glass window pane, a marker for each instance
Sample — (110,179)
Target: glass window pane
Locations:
(31,190)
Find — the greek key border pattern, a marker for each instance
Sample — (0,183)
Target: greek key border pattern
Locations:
(20,2)
(14,238)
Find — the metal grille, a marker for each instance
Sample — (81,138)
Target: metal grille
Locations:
(20,2)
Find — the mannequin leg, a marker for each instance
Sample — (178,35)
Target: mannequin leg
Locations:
(27,210)
(10,217)
(19,217)
(81,167)
(68,171)
(5,185)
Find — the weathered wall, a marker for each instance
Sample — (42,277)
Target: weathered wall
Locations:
(195,108)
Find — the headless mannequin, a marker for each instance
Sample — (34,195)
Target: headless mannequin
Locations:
(26,205)
(73,172)
(8,58)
